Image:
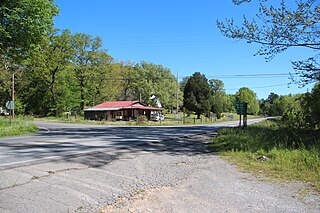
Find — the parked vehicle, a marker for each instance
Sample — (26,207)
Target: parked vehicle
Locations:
(157,117)
(4,112)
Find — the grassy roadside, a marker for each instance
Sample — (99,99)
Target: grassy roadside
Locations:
(292,154)
(170,120)
(19,126)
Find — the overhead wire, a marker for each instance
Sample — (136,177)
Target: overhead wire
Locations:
(259,75)
(260,87)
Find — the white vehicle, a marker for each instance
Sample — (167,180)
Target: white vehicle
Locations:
(157,117)
(4,112)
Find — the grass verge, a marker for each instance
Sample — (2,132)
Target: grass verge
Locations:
(170,120)
(18,126)
(292,154)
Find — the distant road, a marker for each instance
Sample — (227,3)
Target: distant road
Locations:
(58,140)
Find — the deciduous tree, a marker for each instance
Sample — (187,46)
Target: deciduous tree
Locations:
(85,50)
(218,96)
(247,95)
(23,25)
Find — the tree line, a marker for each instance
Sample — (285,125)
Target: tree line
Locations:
(57,71)
(203,96)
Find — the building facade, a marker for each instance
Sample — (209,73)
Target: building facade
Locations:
(119,110)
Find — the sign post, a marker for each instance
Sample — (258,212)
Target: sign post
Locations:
(242,108)
(10,106)
(245,115)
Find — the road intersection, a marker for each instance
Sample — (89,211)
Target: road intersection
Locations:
(84,168)
(58,140)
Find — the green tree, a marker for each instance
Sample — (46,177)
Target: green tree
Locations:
(230,103)
(43,85)
(276,105)
(128,74)
(23,25)
(277,28)
(106,77)
(85,50)
(183,82)
(246,95)
(147,79)
(45,81)
(197,94)
(310,104)
(218,96)
(163,84)
(270,105)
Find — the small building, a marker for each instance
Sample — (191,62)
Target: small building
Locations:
(119,110)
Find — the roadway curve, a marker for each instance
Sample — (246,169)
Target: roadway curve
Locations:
(57,140)
(87,168)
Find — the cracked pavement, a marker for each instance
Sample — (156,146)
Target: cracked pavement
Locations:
(82,168)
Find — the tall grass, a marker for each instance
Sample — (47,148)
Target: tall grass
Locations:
(19,126)
(292,153)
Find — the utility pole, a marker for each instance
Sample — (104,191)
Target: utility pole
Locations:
(13,94)
(177,93)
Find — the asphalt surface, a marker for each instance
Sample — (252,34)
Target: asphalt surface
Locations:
(84,168)
(58,141)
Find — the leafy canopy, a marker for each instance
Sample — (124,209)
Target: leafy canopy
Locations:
(247,95)
(23,24)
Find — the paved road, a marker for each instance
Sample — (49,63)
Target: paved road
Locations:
(84,168)
(57,141)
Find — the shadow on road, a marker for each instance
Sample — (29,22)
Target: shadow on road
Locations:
(97,146)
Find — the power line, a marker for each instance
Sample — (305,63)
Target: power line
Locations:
(259,75)
(162,36)
(267,86)
(168,44)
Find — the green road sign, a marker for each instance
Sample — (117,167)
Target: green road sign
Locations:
(240,107)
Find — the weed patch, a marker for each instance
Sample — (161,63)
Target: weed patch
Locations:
(290,153)
(17,127)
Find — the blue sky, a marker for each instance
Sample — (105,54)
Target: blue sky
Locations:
(181,35)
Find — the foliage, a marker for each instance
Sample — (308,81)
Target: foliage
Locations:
(45,76)
(311,107)
(85,49)
(276,105)
(293,153)
(218,97)
(151,79)
(23,24)
(247,95)
(278,28)
(197,94)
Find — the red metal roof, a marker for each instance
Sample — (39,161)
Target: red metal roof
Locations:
(123,105)
(116,104)
(141,107)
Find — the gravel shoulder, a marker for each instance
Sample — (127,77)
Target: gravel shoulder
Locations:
(214,185)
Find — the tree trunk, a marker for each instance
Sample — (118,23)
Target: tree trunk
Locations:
(82,96)
(198,116)
(53,90)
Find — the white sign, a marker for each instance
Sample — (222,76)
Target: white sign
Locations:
(10,104)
